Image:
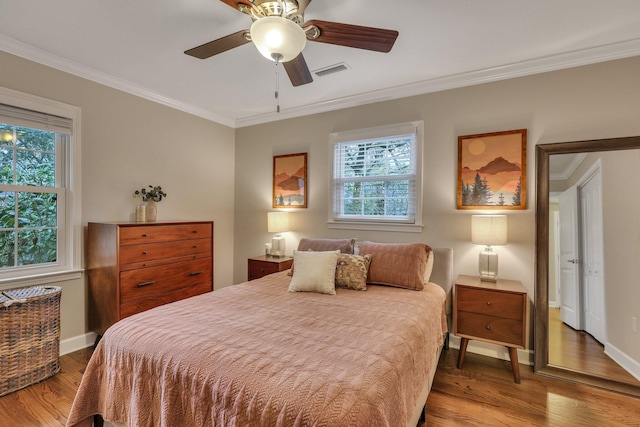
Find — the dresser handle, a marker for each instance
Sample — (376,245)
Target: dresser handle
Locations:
(488,302)
(195,246)
(195,231)
(195,273)
(145,253)
(145,235)
(140,285)
(488,327)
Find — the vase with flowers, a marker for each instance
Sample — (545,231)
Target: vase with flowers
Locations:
(151,195)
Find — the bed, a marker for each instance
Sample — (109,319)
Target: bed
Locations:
(254,354)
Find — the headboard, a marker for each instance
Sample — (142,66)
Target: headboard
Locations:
(442,273)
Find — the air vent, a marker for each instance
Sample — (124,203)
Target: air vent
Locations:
(343,66)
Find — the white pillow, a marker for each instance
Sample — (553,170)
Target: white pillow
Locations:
(314,272)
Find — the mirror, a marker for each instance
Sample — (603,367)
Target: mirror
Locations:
(620,267)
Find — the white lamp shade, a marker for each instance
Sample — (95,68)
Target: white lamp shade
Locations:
(277,222)
(489,230)
(278,38)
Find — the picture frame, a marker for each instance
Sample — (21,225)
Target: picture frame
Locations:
(290,181)
(492,171)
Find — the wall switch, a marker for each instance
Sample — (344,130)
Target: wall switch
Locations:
(634,325)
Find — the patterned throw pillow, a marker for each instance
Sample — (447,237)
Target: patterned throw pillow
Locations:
(351,271)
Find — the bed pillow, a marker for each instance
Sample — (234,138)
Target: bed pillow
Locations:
(403,265)
(343,245)
(315,272)
(351,271)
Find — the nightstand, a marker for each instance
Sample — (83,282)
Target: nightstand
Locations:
(262,265)
(493,312)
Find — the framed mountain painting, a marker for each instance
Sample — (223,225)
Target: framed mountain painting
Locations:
(492,170)
(290,181)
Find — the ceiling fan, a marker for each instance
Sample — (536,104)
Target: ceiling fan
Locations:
(280,34)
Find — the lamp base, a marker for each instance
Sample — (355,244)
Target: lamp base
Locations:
(277,246)
(488,266)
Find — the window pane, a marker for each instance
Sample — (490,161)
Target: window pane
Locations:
(374,207)
(37,246)
(6,165)
(353,207)
(34,139)
(397,207)
(374,189)
(6,134)
(7,249)
(397,188)
(37,210)
(7,209)
(36,168)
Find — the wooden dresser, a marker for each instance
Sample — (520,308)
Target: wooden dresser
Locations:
(136,266)
(494,312)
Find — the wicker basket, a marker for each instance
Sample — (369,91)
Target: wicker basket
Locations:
(29,336)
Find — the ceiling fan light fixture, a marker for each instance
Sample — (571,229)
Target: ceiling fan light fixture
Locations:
(278,39)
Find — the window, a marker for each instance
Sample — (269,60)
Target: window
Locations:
(39,203)
(377,178)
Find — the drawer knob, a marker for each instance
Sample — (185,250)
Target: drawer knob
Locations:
(195,231)
(262,270)
(145,235)
(145,253)
(488,302)
(195,246)
(488,327)
(195,273)
(140,285)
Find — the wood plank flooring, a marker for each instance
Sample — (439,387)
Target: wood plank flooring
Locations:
(581,352)
(481,394)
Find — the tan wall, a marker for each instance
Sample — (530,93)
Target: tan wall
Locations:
(127,143)
(596,101)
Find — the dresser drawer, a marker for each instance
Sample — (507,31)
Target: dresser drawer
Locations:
(152,281)
(152,251)
(492,328)
(164,233)
(493,303)
(143,304)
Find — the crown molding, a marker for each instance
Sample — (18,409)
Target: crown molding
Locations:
(544,64)
(571,59)
(43,57)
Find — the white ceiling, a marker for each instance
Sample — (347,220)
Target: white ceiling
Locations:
(138,45)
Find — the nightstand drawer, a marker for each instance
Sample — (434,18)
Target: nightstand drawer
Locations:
(259,269)
(262,265)
(492,328)
(492,303)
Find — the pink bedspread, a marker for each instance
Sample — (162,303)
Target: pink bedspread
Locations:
(255,355)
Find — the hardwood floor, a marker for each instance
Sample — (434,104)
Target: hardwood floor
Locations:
(481,394)
(581,352)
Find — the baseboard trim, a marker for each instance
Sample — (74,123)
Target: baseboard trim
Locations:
(525,357)
(77,343)
(622,359)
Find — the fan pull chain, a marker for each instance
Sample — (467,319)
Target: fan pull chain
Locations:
(277,90)
(277,58)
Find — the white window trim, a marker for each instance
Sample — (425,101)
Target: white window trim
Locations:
(72,268)
(378,132)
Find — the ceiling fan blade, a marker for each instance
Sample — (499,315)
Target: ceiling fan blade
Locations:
(220,45)
(369,38)
(298,71)
(235,3)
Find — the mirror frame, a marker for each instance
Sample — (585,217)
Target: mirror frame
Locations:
(541,321)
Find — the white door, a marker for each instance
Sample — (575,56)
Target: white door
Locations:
(569,264)
(592,257)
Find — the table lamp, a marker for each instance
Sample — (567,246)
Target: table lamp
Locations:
(277,222)
(488,230)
